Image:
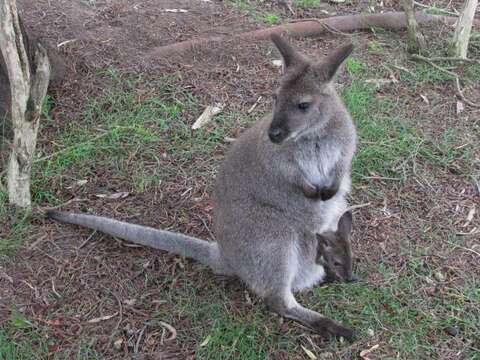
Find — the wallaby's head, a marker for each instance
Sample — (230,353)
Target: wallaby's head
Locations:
(335,251)
(306,97)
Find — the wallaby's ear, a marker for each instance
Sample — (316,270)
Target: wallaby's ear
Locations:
(345,225)
(333,61)
(289,53)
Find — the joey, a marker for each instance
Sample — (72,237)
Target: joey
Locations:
(334,251)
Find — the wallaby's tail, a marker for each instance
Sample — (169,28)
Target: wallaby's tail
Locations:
(204,251)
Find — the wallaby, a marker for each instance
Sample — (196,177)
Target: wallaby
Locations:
(334,252)
(283,181)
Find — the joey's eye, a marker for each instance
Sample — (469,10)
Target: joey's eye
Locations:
(303,106)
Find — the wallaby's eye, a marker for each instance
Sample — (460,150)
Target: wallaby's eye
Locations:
(303,106)
(336,263)
(274,97)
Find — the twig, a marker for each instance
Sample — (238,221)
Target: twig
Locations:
(102,318)
(44,209)
(171,329)
(455,59)
(381,178)
(120,312)
(359,206)
(87,240)
(428,7)
(137,344)
(53,289)
(451,73)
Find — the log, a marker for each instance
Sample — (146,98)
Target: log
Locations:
(28,69)
(312,27)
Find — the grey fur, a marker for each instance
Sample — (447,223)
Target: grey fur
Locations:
(274,193)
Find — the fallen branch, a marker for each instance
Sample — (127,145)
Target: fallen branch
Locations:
(312,27)
(458,88)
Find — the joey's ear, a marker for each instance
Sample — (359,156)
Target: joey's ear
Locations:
(345,225)
(329,66)
(289,54)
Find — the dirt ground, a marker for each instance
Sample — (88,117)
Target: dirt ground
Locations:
(62,277)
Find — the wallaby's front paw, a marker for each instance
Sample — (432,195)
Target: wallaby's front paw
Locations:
(311,191)
(327,328)
(328,192)
(315,192)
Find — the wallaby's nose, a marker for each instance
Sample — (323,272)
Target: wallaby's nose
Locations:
(275,134)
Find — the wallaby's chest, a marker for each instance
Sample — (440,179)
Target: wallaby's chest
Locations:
(316,160)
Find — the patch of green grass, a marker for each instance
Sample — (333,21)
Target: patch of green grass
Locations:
(19,339)
(409,323)
(389,143)
(271,18)
(374,45)
(355,67)
(122,123)
(306,3)
(245,5)
(19,230)
(386,142)
(22,339)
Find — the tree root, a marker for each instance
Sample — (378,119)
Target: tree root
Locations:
(311,27)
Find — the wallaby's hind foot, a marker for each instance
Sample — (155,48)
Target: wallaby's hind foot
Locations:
(288,307)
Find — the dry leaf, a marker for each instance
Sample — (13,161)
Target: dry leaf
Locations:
(364,353)
(170,328)
(102,318)
(119,195)
(309,353)
(460,107)
(117,344)
(207,115)
(425,99)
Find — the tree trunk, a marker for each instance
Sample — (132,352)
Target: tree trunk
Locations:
(28,70)
(416,41)
(461,36)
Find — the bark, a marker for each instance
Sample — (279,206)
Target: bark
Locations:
(312,27)
(416,41)
(28,75)
(461,37)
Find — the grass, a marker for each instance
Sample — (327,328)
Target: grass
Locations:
(306,3)
(120,123)
(271,18)
(20,340)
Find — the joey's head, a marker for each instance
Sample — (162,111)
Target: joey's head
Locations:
(334,251)
(306,98)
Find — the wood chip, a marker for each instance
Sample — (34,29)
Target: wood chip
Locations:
(364,353)
(119,195)
(309,353)
(175,10)
(207,115)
